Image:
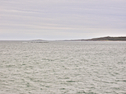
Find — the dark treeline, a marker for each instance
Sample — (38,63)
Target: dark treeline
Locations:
(108,39)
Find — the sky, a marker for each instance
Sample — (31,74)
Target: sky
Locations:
(61,19)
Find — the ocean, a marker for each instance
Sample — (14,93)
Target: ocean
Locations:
(63,67)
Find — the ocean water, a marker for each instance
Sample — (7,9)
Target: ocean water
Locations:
(63,67)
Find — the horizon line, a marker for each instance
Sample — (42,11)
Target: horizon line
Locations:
(54,39)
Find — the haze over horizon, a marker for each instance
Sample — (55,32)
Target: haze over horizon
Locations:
(59,20)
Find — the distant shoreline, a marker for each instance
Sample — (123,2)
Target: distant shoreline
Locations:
(108,38)
(102,39)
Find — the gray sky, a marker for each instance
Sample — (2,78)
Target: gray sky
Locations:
(61,19)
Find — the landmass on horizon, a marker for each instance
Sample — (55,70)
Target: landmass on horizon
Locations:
(108,38)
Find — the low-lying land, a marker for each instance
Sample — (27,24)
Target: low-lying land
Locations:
(103,39)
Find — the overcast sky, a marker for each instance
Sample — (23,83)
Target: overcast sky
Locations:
(61,19)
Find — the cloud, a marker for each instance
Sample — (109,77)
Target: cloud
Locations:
(62,18)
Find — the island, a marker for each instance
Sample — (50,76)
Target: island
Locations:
(39,41)
(108,38)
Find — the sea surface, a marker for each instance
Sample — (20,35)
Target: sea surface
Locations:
(63,67)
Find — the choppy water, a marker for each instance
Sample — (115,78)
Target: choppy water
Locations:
(63,68)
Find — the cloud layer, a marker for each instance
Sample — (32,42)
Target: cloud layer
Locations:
(62,19)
